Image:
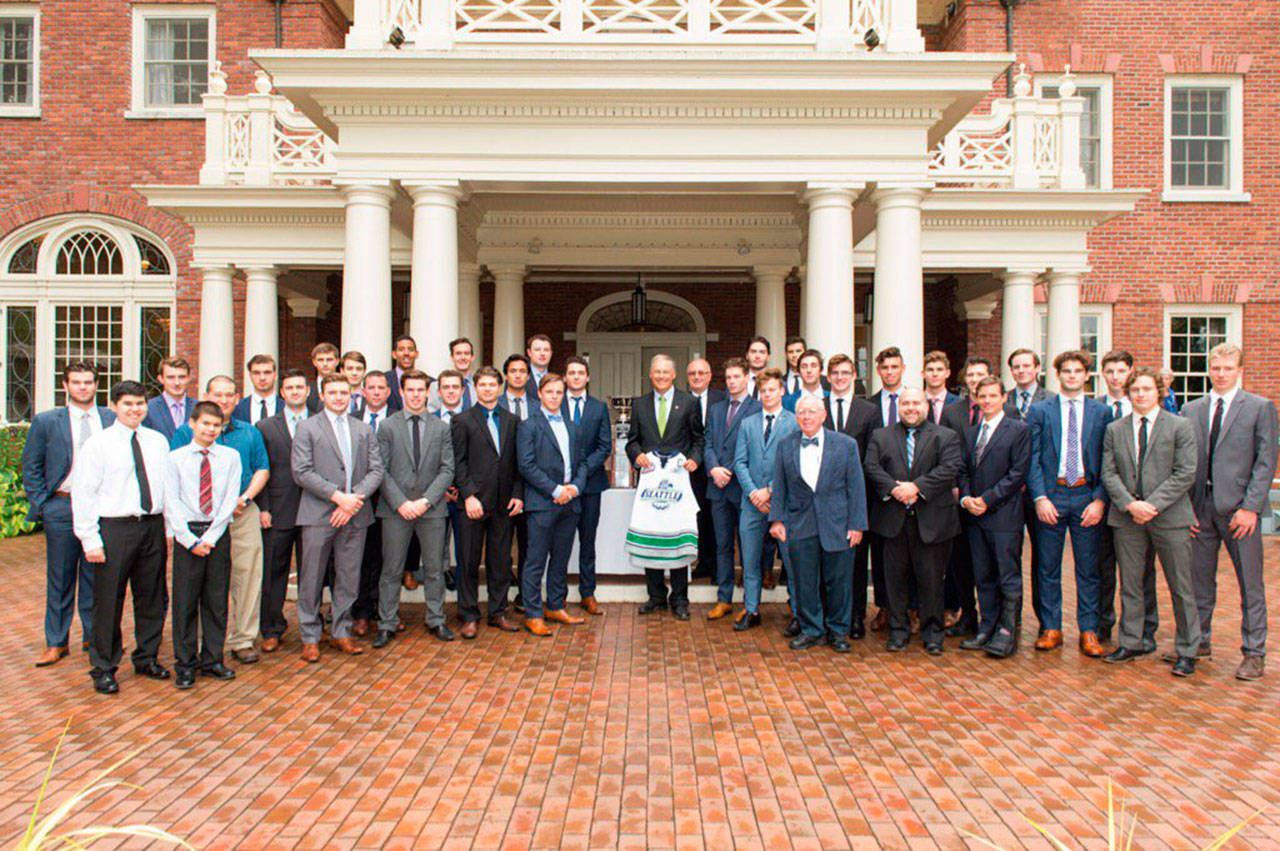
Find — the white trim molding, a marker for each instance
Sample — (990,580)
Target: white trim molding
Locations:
(31,11)
(142,13)
(1234,192)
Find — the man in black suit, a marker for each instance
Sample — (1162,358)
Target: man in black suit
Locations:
(278,504)
(848,414)
(665,422)
(1024,366)
(487,476)
(699,375)
(997,457)
(889,369)
(911,470)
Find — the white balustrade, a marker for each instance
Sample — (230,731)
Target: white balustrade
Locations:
(259,139)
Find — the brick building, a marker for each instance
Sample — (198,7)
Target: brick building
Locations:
(223,178)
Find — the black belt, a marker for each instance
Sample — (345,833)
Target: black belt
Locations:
(132,518)
(199,527)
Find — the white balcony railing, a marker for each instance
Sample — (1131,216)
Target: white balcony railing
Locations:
(1023,143)
(259,139)
(829,24)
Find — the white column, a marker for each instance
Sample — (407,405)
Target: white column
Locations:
(828,302)
(1064,317)
(366,273)
(217,324)
(1017,316)
(261,314)
(469,324)
(771,310)
(803,274)
(898,298)
(433,283)
(508,311)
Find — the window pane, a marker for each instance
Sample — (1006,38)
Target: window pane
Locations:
(16,64)
(92,333)
(1190,339)
(1090,129)
(1199,143)
(153,345)
(19,363)
(176,67)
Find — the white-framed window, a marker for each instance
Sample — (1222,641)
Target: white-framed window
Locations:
(1190,331)
(173,53)
(19,60)
(1095,338)
(81,288)
(1096,123)
(1204,138)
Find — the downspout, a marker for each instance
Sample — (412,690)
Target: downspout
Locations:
(279,23)
(1008,43)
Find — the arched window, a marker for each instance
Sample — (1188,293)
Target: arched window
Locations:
(81,288)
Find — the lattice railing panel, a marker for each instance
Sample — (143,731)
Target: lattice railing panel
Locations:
(237,140)
(297,145)
(654,17)
(1046,147)
(507,16)
(747,17)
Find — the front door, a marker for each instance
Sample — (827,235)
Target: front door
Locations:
(620,360)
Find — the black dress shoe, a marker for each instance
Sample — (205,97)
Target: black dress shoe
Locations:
(1148,645)
(218,671)
(185,678)
(895,645)
(858,629)
(652,606)
(450,584)
(383,638)
(442,632)
(1184,667)
(746,622)
(1122,654)
(681,612)
(1002,645)
(933,648)
(105,683)
(793,629)
(839,643)
(152,670)
(977,642)
(1104,635)
(804,642)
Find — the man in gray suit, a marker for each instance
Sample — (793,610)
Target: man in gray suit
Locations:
(1236,435)
(1148,467)
(336,462)
(417,450)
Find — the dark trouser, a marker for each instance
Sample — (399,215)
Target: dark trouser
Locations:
(201,585)
(706,526)
(1047,566)
(135,551)
(521,525)
(490,535)
(724,515)
(366,605)
(861,556)
(958,587)
(588,522)
(1107,587)
(658,587)
(69,579)
(997,570)
(450,536)
(281,547)
(550,545)
(905,557)
(876,548)
(1037,593)
(821,579)
(1246,558)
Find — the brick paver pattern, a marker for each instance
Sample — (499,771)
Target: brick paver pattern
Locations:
(634,731)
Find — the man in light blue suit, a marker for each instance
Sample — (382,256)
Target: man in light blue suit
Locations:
(754,461)
(170,411)
(1065,485)
(818,510)
(48,461)
(723,493)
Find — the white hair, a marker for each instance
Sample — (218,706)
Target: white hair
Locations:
(667,359)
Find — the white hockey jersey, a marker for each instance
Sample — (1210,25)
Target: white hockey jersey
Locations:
(663,532)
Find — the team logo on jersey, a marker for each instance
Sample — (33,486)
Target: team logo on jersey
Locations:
(663,495)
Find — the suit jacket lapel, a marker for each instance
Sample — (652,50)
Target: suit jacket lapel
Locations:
(1230,418)
(923,437)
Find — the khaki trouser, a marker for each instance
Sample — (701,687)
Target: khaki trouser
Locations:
(244,609)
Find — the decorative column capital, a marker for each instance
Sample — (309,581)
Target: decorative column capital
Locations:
(507,272)
(909,196)
(1066,275)
(1019,276)
(436,193)
(771,274)
(468,270)
(375,192)
(214,271)
(821,196)
(262,271)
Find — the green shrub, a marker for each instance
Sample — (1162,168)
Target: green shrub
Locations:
(13,499)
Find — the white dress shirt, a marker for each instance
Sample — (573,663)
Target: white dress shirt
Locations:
(1227,398)
(1126,407)
(447,414)
(255,406)
(811,460)
(106,484)
(702,404)
(79,417)
(792,381)
(884,406)
(570,401)
(292,418)
(1151,426)
(342,434)
(182,492)
(177,409)
(818,394)
(561,432)
(1064,405)
(936,404)
(836,410)
(375,418)
(991,424)
(518,405)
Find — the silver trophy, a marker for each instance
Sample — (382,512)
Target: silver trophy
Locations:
(621,476)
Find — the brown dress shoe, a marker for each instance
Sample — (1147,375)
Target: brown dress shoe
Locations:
(1251,668)
(718,611)
(360,627)
(537,626)
(1051,639)
(504,623)
(270,645)
(562,616)
(347,645)
(50,656)
(311,653)
(409,581)
(468,630)
(591,607)
(1090,646)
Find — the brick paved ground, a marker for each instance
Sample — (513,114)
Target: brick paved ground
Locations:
(634,732)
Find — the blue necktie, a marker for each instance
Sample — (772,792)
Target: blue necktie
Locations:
(911,447)
(808,441)
(1072,466)
(577,410)
(494,430)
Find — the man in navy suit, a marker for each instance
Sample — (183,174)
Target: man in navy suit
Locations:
(811,380)
(590,419)
(538,351)
(818,510)
(48,466)
(555,475)
(1065,485)
(170,411)
(263,401)
(997,455)
(699,375)
(724,494)
(937,369)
